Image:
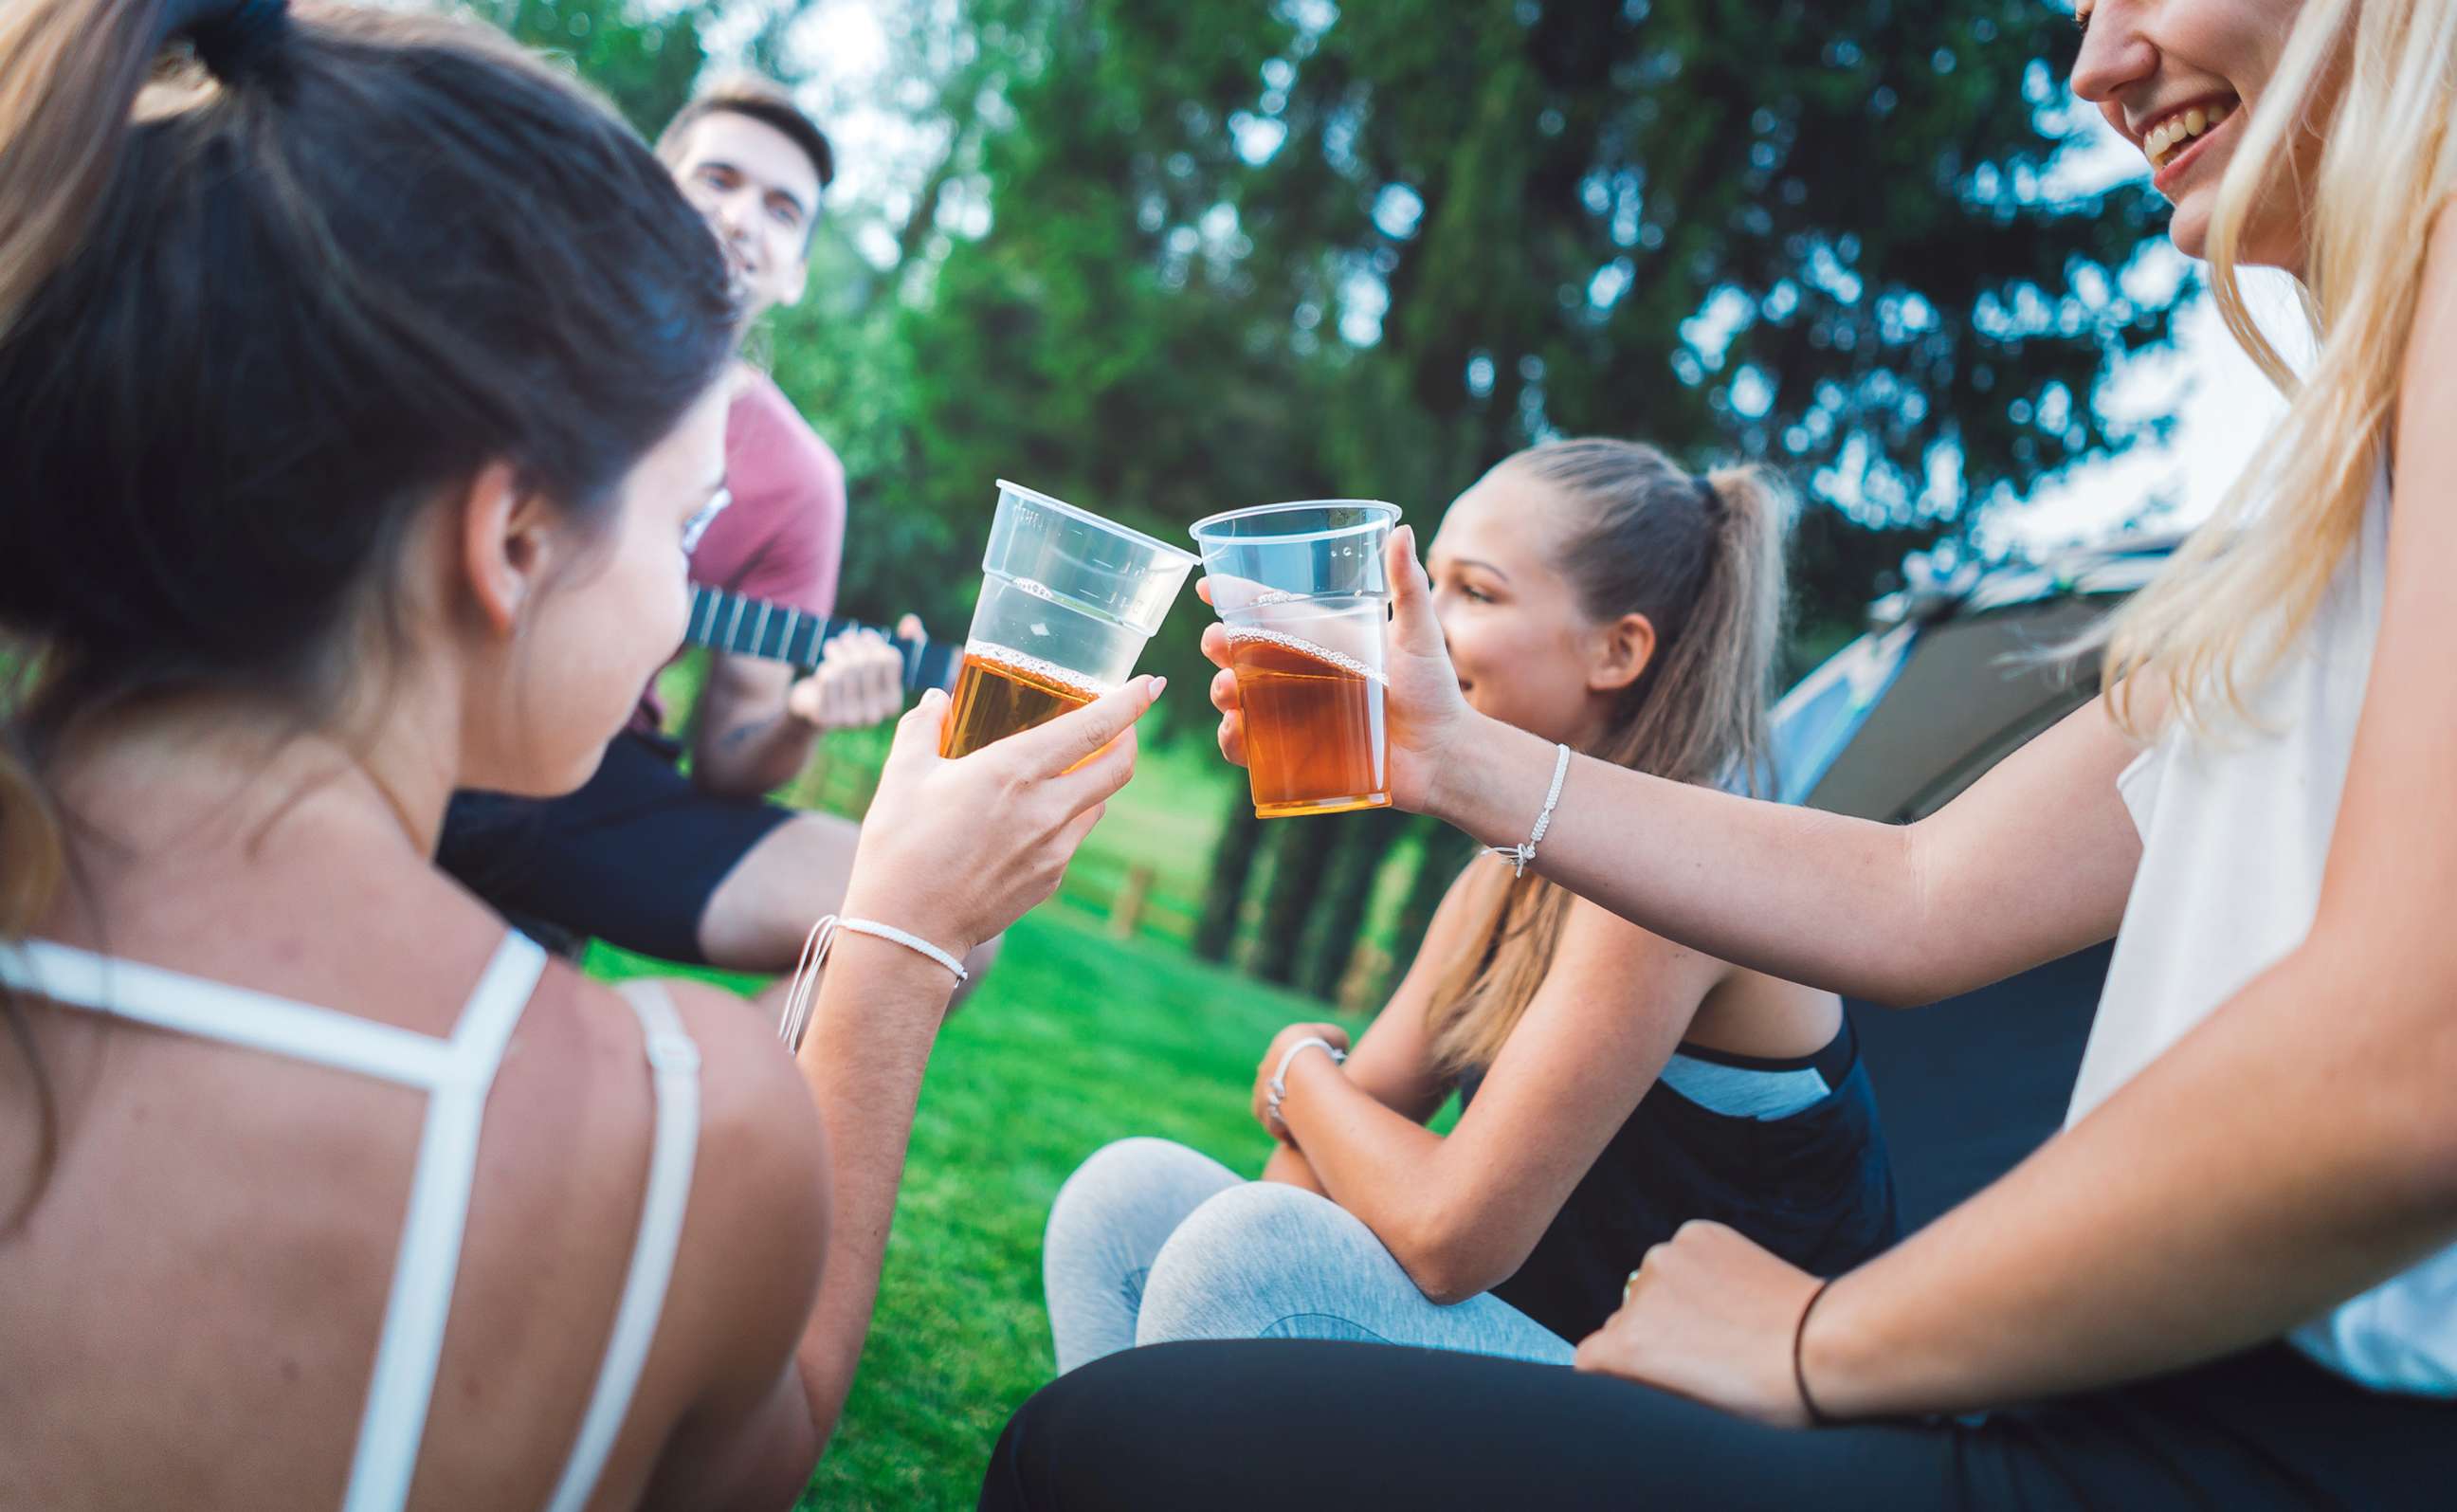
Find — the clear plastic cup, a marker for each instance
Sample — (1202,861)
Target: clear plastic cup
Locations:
(1068,601)
(1302,590)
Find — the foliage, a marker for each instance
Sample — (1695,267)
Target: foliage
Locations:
(644,65)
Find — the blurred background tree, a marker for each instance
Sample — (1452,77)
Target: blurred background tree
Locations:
(1170,258)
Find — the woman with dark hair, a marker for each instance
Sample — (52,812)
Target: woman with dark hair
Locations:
(2231,1280)
(362,387)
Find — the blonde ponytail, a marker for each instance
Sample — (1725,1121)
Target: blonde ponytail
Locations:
(1703,559)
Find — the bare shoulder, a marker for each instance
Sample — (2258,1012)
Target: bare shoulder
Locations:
(758,1185)
(2443,244)
(2431,374)
(762,1154)
(755,1109)
(746,1267)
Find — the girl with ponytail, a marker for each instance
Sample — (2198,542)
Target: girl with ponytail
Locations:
(360,382)
(1614,1085)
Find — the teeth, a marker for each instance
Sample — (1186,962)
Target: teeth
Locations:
(2165,139)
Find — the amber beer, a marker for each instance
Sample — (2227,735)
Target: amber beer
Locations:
(999,692)
(1313,725)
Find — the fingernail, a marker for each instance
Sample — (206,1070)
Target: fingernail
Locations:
(1159,686)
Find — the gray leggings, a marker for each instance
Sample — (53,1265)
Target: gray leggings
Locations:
(1150,1242)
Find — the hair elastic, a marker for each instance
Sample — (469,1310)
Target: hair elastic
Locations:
(1710,499)
(232,41)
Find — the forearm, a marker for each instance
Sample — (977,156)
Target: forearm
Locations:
(1288,1167)
(1806,896)
(1391,1172)
(878,1013)
(753,756)
(2276,1160)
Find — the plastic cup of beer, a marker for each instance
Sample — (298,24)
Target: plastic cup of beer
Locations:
(1068,601)
(1302,590)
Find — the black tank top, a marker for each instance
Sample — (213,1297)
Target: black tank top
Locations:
(1813,1185)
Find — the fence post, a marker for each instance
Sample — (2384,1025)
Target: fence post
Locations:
(1126,908)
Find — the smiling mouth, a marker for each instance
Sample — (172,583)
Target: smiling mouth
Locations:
(2172,137)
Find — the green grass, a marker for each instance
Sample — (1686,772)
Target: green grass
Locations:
(1074,1040)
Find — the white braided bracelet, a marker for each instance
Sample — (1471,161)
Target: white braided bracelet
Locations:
(1277,1086)
(1521,854)
(814,955)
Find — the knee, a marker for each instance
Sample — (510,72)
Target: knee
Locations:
(1248,1258)
(1131,1186)
(1266,1217)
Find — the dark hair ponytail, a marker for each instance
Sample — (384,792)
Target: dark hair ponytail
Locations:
(1701,558)
(263,299)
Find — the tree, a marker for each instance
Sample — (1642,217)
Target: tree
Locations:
(1336,924)
(646,64)
(1181,257)
(1232,865)
(1237,254)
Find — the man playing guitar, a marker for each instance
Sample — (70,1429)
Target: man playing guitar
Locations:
(700,867)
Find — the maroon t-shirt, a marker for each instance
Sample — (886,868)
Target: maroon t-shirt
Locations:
(782,538)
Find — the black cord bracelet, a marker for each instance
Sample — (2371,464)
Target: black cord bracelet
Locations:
(1799,1376)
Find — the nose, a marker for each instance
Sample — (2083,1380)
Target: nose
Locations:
(2115,55)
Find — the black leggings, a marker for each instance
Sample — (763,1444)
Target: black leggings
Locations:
(1291,1424)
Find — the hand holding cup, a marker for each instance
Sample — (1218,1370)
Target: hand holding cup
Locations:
(957,850)
(1427,714)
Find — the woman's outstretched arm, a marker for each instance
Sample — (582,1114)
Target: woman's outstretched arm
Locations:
(2033,861)
(926,867)
(2297,1146)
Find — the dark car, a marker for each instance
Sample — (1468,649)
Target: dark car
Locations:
(1957,670)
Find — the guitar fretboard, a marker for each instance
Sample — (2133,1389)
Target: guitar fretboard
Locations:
(749,627)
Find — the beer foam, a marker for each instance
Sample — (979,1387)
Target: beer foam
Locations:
(1030,666)
(1307,648)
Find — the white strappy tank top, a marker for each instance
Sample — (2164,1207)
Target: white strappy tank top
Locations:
(456,1074)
